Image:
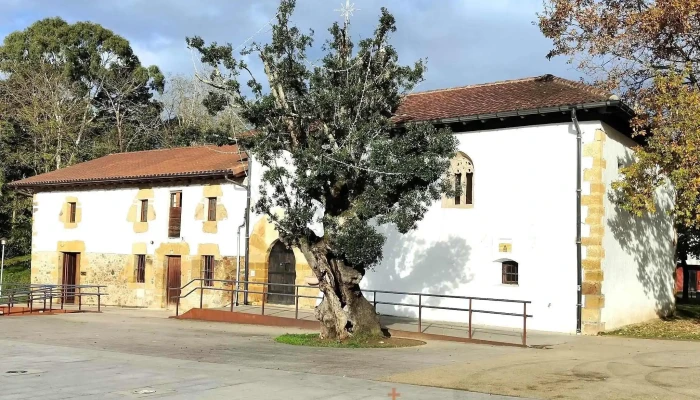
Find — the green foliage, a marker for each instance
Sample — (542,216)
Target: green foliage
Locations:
(641,50)
(68,93)
(351,167)
(19,263)
(17,276)
(17,270)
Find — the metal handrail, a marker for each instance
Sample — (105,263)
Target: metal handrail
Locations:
(42,292)
(235,290)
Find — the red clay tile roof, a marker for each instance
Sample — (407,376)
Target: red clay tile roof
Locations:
(148,165)
(498,97)
(467,101)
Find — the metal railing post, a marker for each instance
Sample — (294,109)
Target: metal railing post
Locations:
(201,293)
(374,300)
(524,324)
(470,318)
(177,306)
(99,299)
(44,296)
(233,293)
(63,291)
(420,314)
(264,296)
(296,302)
(80,300)
(50,300)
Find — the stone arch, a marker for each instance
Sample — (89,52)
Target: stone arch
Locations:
(263,238)
(461,174)
(281,271)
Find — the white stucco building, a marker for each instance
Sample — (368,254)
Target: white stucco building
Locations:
(513,234)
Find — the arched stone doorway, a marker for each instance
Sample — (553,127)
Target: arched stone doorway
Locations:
(281,270)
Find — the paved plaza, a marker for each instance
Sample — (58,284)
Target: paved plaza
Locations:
(132,354)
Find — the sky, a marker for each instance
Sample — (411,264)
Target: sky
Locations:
(464,41)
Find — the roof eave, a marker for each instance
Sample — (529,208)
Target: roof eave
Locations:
(533,111)
(237,172)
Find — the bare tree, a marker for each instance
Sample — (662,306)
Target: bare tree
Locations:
(187,119)
(41,103)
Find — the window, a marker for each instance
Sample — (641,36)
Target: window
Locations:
(469,190)
(144,210)
(462,175)
(175,214)
(208,273)
(140,270)
(509,273)
(211,209)
(71,212)
(458,189)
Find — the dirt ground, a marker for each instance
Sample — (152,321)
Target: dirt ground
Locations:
(570,368)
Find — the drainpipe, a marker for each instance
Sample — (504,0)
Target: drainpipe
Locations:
(579,275)
(247,230)
(238,259)
(246,224)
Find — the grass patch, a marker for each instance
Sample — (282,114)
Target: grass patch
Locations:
(313,340)
(16,275)
(684,325)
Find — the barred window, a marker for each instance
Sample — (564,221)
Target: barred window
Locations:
(509,274)
(208,273)
(140,270)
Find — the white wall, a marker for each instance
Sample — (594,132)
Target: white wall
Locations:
(525,194)
(639,258)
(105,229)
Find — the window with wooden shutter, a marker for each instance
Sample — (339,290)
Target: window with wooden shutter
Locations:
(208,273)
(211,209)
(140,270)
(71,212)
(144,210)
(175,219)
(509,273)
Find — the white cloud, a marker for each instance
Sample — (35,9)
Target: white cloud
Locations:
(465,41)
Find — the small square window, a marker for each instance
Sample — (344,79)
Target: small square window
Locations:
(211,209)
(140,270)
(208,273)
(144,210)
(509,275)
(71,212)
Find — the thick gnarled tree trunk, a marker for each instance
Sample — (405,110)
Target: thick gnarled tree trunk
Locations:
(344,311)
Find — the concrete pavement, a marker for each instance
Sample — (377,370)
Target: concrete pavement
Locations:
(123,354)
(54,372)
(120,351)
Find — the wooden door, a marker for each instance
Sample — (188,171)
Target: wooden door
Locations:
(70,270)
(174,283)
(281,270)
